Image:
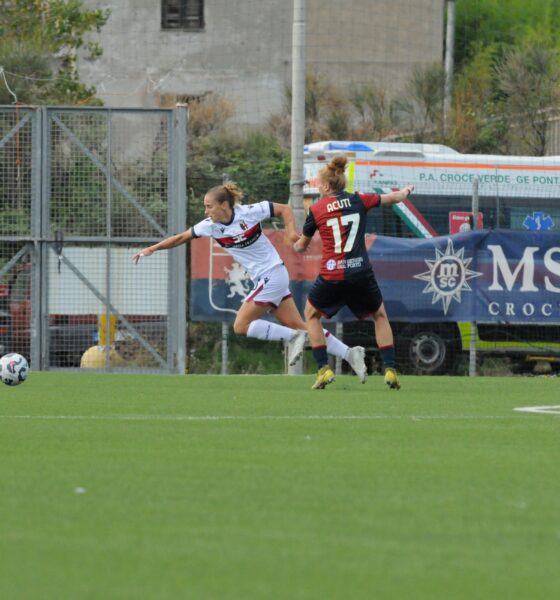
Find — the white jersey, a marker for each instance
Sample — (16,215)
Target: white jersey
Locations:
(243,238)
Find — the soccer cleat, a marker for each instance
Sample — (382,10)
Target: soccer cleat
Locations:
(356,359)
(296,346)
(392,379)
(324,377)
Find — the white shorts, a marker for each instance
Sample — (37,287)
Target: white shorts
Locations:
(272,288)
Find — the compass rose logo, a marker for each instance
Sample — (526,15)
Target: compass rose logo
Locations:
(448,275)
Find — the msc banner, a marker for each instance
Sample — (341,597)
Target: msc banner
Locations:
(497,275)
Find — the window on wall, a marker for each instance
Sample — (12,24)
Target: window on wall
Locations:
(182,14)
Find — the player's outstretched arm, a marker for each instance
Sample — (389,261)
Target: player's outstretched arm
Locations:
(166,244)
(286,213)
(394,197)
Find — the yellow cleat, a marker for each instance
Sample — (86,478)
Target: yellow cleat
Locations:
(392,379)
(324,377)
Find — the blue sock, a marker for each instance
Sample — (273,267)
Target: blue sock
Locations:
(388,355)
(320,356)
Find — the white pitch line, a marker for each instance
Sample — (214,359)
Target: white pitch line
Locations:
(543,410)
(251,417)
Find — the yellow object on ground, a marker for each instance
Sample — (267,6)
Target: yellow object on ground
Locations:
(103,329)
(96,358)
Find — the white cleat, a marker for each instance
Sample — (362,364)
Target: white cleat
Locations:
(356,359)
(296,346)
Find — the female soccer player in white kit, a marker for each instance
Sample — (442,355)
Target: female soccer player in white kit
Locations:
(237,228)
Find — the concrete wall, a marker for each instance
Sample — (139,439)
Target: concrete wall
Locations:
(244,51)
(360,41)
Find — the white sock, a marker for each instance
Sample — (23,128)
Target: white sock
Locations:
(335,346)
(265,330)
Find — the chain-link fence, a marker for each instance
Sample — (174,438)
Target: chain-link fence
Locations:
(82,190)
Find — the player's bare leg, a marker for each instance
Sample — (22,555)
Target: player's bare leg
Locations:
(314,326)
(288,314)
(386,345)
(383,331)
(248,313)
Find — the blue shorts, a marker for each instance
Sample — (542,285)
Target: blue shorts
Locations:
(361,295)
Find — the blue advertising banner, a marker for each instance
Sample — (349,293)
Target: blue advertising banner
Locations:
(490,275)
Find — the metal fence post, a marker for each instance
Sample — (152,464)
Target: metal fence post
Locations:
(108,225)
(339,332)
(298,128)
(472,346)
(41,275)
(36,193)
(225,347)
(177,223)
(298,110)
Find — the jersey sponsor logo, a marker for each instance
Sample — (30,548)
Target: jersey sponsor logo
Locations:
(350,263)
(242,240)
(345,263)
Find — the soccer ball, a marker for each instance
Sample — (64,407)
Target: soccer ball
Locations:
(13,369)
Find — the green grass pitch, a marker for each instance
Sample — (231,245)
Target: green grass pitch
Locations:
(209,487)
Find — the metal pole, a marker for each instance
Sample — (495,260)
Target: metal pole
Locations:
(39,161)
(225,353)
(177,351)
(449,46)
(298,111)
(108,226)
(298,126)
(339,332)
(42,246)
(225,326)
(472,348)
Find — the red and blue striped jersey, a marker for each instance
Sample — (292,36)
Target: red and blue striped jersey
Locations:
(341,221)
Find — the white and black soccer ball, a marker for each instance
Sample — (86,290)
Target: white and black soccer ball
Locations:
(13,369)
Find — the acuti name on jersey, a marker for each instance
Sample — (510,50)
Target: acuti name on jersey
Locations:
(339,204)
(242,240)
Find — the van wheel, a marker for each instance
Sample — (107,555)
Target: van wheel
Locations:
(424,352)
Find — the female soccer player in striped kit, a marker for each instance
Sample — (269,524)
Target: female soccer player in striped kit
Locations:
(346,277)
(237,228)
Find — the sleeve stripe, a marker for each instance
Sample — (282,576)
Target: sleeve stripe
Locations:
(271,206)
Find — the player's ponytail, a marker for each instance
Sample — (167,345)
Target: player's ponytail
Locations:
(228,192)
(333,174)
